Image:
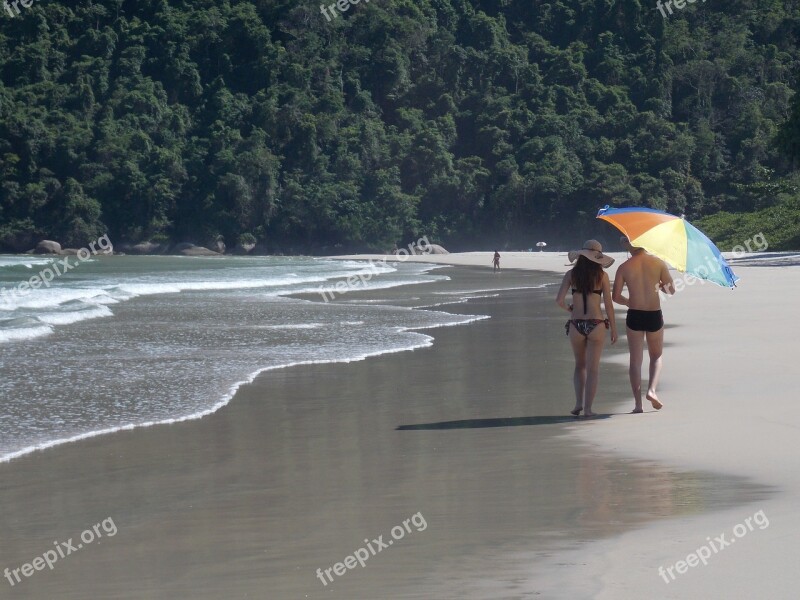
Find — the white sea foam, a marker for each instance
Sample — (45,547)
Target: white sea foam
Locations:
(369,285)
(75,316)
(424,341)
(24,333)
(64,305)
(47,298)
(294,326)
(23,261)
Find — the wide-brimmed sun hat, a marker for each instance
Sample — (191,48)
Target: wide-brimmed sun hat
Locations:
(593,250)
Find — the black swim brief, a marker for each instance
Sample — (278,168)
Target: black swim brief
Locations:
(644,320)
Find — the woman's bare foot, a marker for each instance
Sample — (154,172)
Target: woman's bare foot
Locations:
(588,414)
(576,411)
(654,400)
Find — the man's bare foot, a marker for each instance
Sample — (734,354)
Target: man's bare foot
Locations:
(637,410)
(654,400)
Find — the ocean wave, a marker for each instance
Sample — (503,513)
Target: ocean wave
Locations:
(414,340)
(48,298)
(423,341)
(75,316)
(294,326)
(24,333)
(368,286)
(24,262)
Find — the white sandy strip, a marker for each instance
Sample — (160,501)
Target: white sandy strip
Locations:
(537,261)
(731,406)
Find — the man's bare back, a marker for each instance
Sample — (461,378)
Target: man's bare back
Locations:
(644,275)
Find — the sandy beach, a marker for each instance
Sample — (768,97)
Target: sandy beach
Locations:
(728,389)
(503,496)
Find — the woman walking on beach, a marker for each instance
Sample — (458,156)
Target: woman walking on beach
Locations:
(587,282)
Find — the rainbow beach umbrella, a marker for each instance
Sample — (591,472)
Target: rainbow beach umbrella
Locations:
(674,240)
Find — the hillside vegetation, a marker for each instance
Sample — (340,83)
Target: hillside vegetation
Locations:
(474,122)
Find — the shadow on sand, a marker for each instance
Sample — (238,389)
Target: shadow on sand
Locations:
(501,422)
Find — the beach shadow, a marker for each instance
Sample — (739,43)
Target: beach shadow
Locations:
(501,422)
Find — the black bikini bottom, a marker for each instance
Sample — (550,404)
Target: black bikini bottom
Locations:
(644,320)
(585,326)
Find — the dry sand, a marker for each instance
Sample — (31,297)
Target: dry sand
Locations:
(729,389)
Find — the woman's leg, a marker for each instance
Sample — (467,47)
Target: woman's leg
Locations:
(594,349)
(578,343)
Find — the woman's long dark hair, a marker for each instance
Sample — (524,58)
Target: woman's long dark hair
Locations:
(586,274)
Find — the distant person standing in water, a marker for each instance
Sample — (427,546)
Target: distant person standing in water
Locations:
(644,275)
(587,282)
(496,261)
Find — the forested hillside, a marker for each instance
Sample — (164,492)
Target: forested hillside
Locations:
(475,122)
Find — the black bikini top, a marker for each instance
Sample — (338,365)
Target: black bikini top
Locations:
(598,292)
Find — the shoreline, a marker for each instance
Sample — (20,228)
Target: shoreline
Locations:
(138,450)
(228,396)
(308,461)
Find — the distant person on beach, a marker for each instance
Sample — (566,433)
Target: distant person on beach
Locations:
(587,282)
(496,261)
(644,275)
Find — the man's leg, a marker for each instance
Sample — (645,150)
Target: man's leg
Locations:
(655,347)
(636,349)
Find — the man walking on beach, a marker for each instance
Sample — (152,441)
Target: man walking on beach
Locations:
(644,275)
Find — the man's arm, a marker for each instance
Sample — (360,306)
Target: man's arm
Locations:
(609,308)
(667,285)
(619,282)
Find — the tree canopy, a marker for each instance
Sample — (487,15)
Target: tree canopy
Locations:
(475,122)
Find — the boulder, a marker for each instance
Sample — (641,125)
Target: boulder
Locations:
(189,249)
(144,248)
(195,251)
(217,246)
(428,249)
(48,247)
(241,249)
(180,247)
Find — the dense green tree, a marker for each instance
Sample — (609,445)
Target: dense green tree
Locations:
(488,122)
